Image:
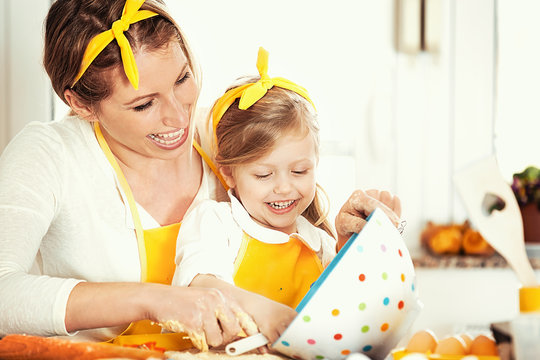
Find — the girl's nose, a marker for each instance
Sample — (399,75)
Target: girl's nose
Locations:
(283,185)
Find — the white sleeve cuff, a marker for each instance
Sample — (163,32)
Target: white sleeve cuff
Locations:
(60,307)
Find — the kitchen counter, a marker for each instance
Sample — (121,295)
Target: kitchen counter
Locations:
(427,260)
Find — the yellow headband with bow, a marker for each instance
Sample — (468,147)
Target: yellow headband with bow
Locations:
(249,94)
(130,15)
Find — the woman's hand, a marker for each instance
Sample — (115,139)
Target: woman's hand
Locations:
(353,214)
(271,317)
(207,315)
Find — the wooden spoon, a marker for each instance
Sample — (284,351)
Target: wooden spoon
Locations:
(494,210)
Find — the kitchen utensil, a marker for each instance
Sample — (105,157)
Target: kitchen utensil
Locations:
(246,344)
(493,209)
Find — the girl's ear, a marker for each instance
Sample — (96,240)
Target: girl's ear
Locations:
(226,172)
(83,110)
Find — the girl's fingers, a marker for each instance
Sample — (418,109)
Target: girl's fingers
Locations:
(391,201)
(349,223)
(353,214)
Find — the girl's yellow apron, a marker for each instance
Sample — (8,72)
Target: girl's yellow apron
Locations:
(281,272)
(157,249)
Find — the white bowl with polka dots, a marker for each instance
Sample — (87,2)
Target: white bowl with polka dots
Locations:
(363,302)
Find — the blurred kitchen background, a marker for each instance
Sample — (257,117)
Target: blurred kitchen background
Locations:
(408,92)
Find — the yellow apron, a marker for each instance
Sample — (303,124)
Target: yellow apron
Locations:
(281,272)
(157,249)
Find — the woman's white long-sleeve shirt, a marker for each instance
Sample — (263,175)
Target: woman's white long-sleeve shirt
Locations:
(63,218)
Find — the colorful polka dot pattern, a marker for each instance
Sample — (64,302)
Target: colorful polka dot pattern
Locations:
(365,313)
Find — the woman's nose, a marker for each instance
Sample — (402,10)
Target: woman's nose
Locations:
(175,113)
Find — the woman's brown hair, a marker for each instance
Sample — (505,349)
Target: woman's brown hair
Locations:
(71,24)
(244,136)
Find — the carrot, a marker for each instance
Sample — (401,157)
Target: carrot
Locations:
(22,347)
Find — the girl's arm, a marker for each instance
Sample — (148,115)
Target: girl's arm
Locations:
(207,245)
(353,214)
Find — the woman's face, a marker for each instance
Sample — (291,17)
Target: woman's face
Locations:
(154,121)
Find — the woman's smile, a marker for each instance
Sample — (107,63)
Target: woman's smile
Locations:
(170,140)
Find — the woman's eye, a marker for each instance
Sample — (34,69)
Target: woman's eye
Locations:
(300,172)
(143,106)
(262,176)
(183,78)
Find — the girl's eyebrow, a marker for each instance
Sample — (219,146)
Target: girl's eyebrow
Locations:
(131,102)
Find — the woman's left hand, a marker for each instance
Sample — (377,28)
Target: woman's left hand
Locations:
(353,214)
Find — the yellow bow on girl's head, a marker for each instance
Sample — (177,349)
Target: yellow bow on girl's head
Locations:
(130,15)
(249,94)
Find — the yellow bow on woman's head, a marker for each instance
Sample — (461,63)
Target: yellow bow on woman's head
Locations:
(130,15)
(249,94)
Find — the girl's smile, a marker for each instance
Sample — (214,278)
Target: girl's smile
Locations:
(281,207)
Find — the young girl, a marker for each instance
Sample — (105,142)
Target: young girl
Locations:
(272,239)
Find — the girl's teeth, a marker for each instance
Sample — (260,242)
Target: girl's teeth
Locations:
(281,204)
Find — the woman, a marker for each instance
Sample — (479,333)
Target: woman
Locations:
(90,205)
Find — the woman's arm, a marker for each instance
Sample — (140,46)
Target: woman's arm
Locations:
(353,214)
(30,194)
(198,310)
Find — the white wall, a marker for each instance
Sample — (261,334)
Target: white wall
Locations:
(518,85)
(4,136)
(25,92)
(396,121)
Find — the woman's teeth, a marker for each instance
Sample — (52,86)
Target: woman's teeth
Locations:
(163,138)
(281,204)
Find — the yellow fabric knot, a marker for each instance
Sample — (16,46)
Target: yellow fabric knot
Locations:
(119,26)
(249,94)
(130,15)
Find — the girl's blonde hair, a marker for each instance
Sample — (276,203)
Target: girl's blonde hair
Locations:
(71,24)
(243,136)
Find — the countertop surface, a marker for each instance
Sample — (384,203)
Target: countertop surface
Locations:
(427,260)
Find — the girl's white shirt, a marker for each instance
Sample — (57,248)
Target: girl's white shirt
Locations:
(211,235)
(64,219)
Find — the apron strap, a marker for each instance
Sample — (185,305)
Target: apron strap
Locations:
(129,195)
(211,164)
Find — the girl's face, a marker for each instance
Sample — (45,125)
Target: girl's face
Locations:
(279,186)
(154,121)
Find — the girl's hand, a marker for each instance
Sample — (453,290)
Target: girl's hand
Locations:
(352,216)
(208,316)
(271,317)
